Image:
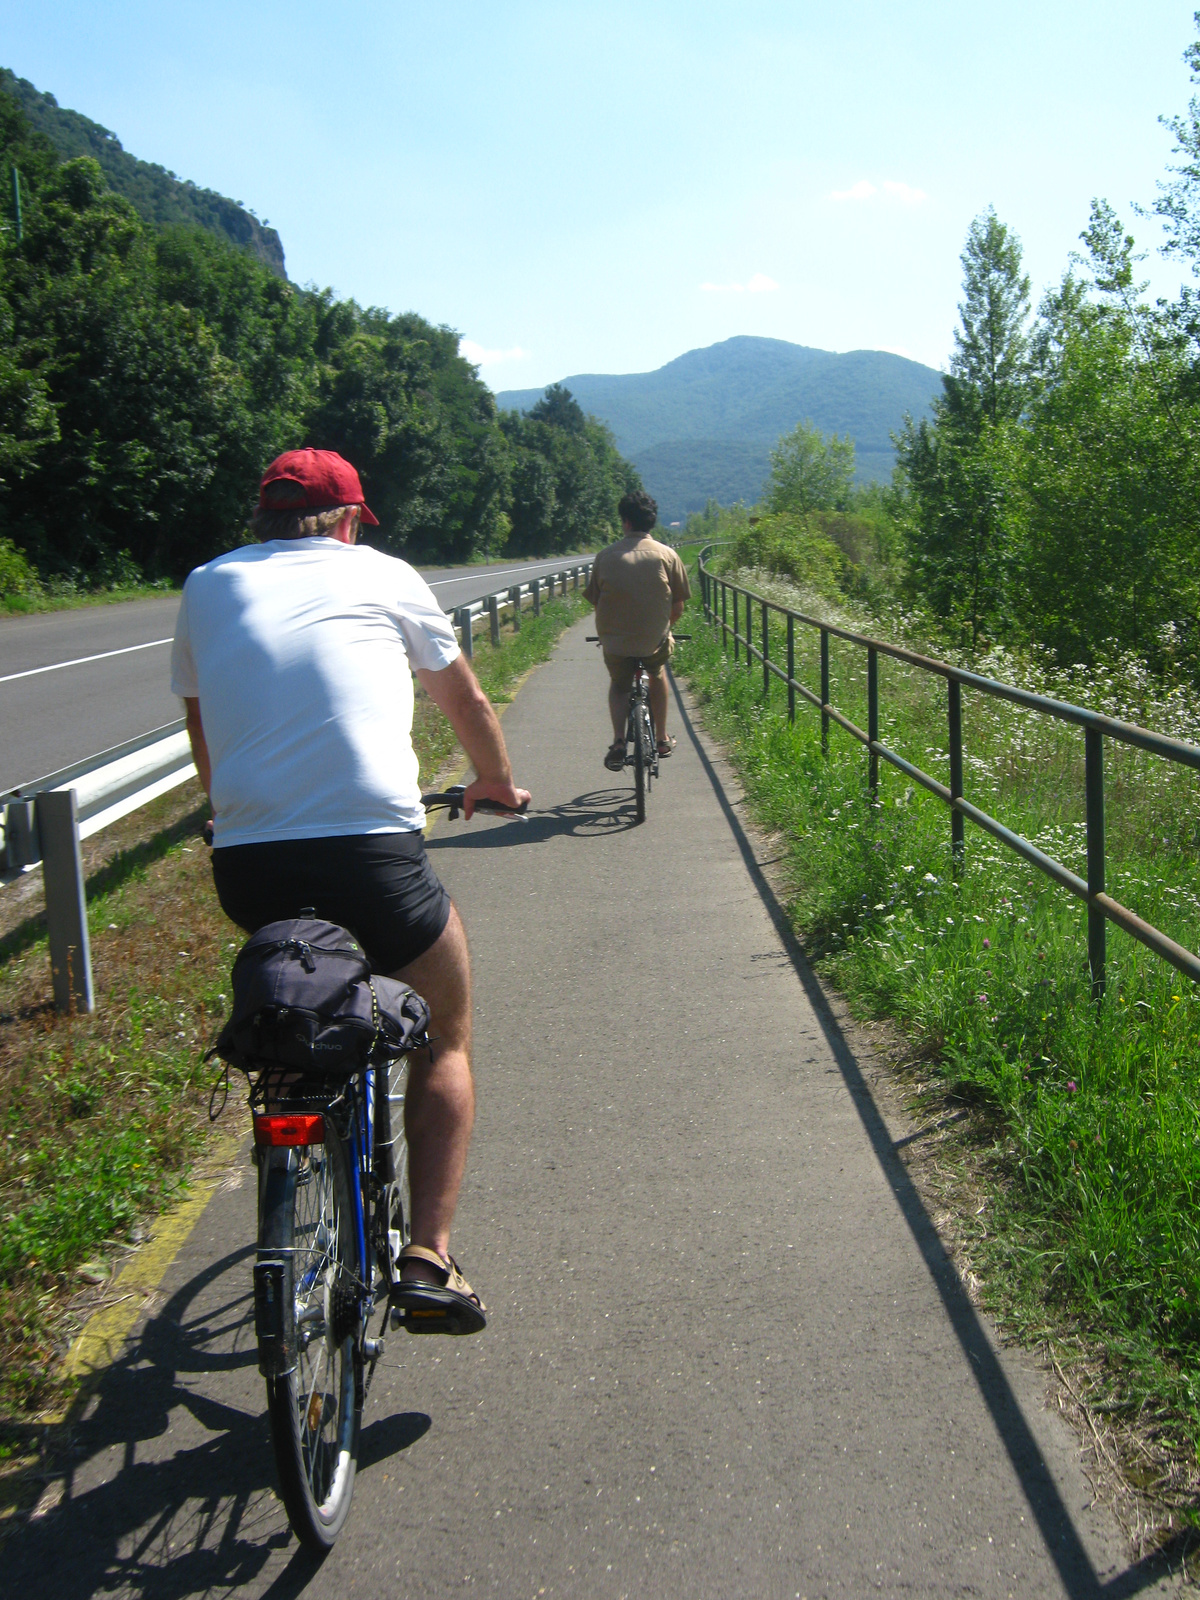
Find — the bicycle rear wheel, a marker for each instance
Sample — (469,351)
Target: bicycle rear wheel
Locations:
(314,1407)
(641,769)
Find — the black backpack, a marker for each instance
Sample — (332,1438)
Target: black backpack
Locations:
(305,998)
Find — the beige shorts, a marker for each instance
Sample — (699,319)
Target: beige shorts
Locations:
(621,668)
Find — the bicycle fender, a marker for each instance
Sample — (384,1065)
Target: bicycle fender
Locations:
(274,1288)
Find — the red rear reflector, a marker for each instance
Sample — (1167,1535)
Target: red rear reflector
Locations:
(276,1127)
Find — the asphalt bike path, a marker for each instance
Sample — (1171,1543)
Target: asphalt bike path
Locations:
(726,1355)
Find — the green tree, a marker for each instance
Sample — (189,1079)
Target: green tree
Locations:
(960,560)
(990,366)
(810,471)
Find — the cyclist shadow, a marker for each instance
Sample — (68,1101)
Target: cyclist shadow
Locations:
(595,815)
(167,1490)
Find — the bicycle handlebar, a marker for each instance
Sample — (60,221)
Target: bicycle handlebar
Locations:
(452,801)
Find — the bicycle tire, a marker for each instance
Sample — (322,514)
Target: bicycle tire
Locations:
(640,773)
(315,1409)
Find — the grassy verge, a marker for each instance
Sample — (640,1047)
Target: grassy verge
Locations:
(1085,1118)
(68,598)
(100,1116)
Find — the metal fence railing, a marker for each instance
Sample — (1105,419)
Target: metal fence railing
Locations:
(723,600)
(43,821)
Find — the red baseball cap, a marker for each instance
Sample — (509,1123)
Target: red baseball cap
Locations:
(323,480)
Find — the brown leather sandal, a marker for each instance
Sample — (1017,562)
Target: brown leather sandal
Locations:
(452,1307)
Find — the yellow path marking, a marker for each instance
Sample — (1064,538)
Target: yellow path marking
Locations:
(100,1342)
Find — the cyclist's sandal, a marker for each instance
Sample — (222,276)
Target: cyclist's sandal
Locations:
(615,759)
(452,1307)
(665,746)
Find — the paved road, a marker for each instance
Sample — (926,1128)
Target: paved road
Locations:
(726,1355)
(59,704)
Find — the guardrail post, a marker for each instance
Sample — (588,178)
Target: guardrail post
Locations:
(873,718)
(514,600)
(724,619)
(791,650)
(494,614)
(824,691)
(465,632)
(957,821)
(735,622)
(536,586)
(1097,922)
(66,907)
(766,662)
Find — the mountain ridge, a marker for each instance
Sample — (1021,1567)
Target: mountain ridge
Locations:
(712,415)
(159,196)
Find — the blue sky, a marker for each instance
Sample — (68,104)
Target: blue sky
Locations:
(585,187)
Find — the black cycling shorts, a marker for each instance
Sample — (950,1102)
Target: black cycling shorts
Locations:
(379,885)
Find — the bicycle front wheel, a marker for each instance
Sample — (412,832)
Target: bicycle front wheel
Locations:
(315,1409)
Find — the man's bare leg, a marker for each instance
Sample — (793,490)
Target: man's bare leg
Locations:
(658,703)
(439,1103)
(618,710)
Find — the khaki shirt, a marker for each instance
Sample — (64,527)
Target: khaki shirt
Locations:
(633,585)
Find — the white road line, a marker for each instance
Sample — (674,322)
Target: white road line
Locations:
(83,660)
(505,572)
(80,661)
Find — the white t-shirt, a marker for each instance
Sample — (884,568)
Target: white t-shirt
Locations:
(301,653)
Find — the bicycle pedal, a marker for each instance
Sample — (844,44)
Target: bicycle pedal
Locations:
(431,1321)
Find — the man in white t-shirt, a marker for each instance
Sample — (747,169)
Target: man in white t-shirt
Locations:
(294,659)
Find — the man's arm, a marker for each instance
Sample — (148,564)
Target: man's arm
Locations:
(455,691)
(195,733)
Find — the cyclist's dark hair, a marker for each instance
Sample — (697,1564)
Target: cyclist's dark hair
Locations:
(638,510)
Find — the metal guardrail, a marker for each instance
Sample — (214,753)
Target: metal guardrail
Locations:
(512,600)
(717,592)
(45,819)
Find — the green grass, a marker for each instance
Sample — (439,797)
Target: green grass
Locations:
(66,597)
(1089,1113)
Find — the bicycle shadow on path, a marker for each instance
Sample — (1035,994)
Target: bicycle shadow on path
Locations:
(168,1492)
(1076,1572)
(598,814)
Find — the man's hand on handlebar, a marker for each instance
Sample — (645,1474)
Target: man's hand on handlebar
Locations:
(502,794)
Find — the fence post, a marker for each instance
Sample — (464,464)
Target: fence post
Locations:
(1097,929)
(791,650)
(466,632)
(957,821)
(766,664)
(735,622)
(873,717)
(724,623)
(536,585)
(494,614)
(66,906)
(514,600)
(824,691)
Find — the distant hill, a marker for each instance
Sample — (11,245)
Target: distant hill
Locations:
(704,424)
(160,197)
